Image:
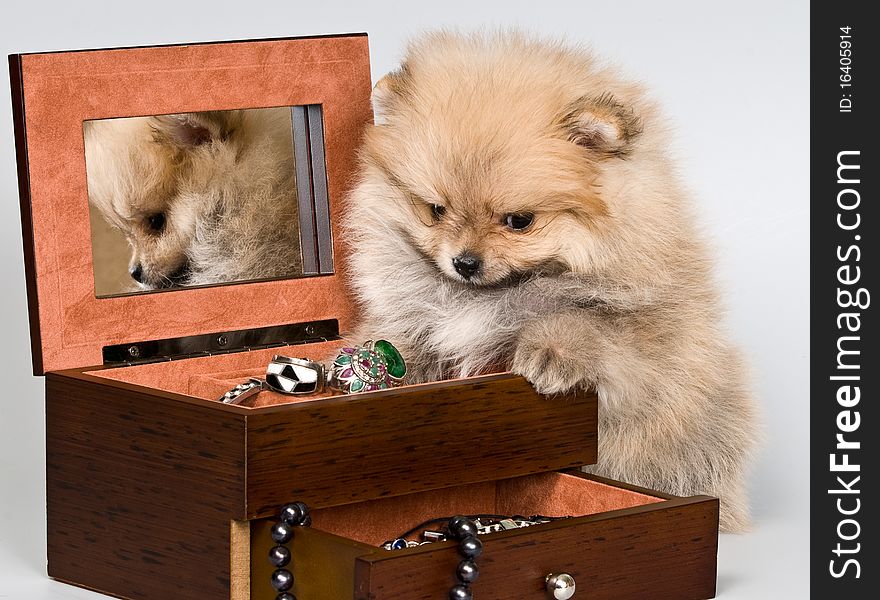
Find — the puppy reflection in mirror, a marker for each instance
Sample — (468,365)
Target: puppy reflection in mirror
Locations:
(202,198)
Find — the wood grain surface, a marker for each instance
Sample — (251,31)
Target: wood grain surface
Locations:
(140,492)
(143,484)
(348,449)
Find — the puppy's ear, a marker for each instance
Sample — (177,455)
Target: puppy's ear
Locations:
(388,91)
(601,124)
(188,130)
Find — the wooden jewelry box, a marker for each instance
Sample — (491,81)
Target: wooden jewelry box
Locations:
(157,491)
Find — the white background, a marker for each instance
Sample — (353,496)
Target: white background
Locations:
(734,79)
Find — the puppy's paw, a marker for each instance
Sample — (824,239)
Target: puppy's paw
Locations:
(549,369)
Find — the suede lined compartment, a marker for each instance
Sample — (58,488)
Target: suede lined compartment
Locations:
(548,494)
(209,377)
(61,90)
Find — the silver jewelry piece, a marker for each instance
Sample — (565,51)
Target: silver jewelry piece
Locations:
(243,391)
(561,586)
(285,375)
(409,544)
(295,376)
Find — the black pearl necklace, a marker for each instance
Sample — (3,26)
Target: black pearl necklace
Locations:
(292,516)
(470,547)
(296,514)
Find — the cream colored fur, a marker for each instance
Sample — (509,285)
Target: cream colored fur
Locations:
(223,181)
(609,288)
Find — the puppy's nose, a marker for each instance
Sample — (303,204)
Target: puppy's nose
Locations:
(137,273)
(467,264)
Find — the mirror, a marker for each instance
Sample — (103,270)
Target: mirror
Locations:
(207,198)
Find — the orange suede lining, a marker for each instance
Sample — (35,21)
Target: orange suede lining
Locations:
(549,494)
(61,90)
(209,377)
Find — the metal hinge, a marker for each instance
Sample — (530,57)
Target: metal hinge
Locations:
(225,342)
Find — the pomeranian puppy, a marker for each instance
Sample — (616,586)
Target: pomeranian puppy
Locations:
(517,208)
(202,198)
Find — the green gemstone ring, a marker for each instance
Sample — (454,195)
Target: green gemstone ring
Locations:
(367,368)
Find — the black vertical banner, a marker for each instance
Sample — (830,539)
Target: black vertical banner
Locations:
(844,169)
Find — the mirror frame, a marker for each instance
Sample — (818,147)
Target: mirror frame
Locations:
(53,93)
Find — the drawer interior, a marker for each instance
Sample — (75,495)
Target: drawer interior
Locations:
(549,494)
(325,555)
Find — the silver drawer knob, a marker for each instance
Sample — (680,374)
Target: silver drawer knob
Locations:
(561,586)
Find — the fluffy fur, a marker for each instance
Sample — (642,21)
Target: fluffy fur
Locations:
(201,197)
(609,287)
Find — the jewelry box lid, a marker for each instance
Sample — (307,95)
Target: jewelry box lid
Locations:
(324,83)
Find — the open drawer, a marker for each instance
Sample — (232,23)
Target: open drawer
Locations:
(621,542)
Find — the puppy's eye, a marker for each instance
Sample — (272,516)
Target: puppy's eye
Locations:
(437,211)
(156,222)
(519,221)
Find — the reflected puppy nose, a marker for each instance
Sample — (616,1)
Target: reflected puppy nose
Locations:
(467,264)
(137,273)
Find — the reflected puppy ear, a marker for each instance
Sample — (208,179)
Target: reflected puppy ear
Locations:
(188,130)
(601,124)
(389,91)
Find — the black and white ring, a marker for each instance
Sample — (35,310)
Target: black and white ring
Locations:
(295,376)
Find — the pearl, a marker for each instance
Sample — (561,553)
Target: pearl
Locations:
(471,547)
(461,592)
(292,514)
(398,544)
(279,556)
(285,596)
(282,580)
(462,527)
(282,533)
(468,571)
(295,513)
(304,509)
